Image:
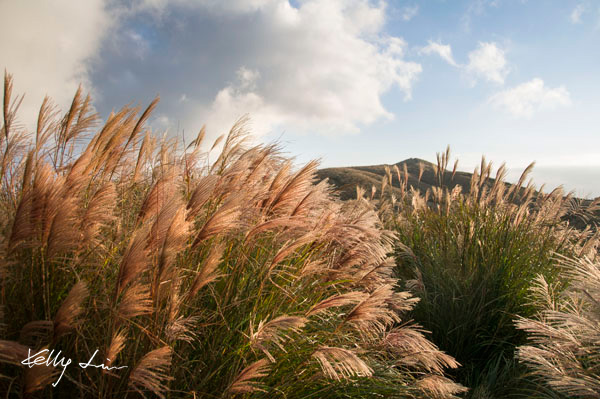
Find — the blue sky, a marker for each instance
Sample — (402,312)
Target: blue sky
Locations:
(352,82)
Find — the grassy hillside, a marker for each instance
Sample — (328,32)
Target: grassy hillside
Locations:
(421,175)
(345,179)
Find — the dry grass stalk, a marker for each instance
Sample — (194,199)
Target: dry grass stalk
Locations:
(135,260)
(439,387)
(39,377)
(373,314)
(563,349)
(117,343)
(70,310)
(136,301)
(151,372)
(209,272)
(339,363)
(12,352)
(337,300)
(245,380)
(274,331)
(413,349)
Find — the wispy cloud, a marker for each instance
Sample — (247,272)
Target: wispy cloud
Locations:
(443,50)
(409,12)
(528,98)
(577,12)
(476,8)
(488,62)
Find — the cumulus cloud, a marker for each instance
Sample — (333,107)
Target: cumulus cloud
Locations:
(488,62)
(49,48)
(320,67)
(527,98)
(443,50)
(409,12)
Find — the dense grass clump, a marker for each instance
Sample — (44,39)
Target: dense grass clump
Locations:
(564,337)
(472,258)
(239,277)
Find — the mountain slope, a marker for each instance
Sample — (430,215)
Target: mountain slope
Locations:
(345,179)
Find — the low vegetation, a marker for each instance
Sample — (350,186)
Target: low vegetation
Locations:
(472,257)
(223,271)
(564,347)
(236,277)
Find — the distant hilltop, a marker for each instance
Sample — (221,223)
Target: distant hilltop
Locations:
(345,180)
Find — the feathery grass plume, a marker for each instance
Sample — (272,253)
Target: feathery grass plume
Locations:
(209,272)
(98,214)
(117,343)
(312,200)
(36,333)
(201,195)
(38,377)
(289,248)
(338,300)
(285,222)
(144,154)
(340,363)
(245,382)
(296,187)
(64,234)
(135,260)
(274,331)
(68,314)
(12,352)
(32,217)
(412,349)
(45,123)
(136,301)
(182,329)
(226,218)
(234,144)
(10,108)
(564,337)
(175,242)
(158,196)
(151,372)
(374,314)
(440,387)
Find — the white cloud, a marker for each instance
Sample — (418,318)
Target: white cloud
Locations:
(409,12)
(577,12)
(476,8)
(443,50)
(527,98)
(48,46)
(488,62)
(320,67)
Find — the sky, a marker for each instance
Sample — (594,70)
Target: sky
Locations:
(351,82)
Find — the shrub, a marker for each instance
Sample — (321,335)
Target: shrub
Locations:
(237,277)
(471,258)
